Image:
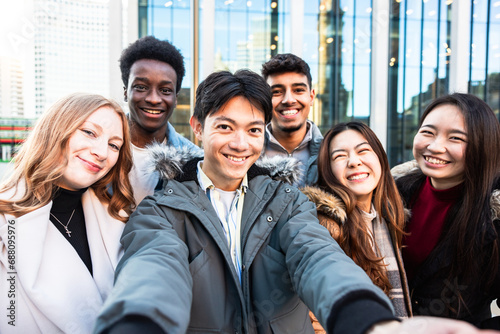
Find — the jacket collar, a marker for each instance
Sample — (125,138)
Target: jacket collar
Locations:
(180,164)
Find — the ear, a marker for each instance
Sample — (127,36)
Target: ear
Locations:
(197,127)
(175,100)
(125,98)
(313,94)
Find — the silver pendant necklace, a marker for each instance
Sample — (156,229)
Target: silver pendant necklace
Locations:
(65,226)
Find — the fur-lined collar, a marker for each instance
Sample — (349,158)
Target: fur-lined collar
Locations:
(404,169)
(170,162)
(412,166)
(326,203)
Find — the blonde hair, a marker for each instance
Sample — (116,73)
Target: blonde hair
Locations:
(41,161)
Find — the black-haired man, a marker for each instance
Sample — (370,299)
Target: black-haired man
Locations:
(152,72)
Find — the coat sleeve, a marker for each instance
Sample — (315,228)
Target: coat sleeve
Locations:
(338,292)
(154,254)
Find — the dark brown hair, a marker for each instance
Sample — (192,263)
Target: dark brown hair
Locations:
(355,238)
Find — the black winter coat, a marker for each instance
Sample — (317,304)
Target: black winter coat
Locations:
(432,290)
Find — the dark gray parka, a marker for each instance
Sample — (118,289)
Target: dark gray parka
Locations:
(311,169)
(177,269)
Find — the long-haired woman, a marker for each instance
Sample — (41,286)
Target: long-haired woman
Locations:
(59,225)
(358,202)
(451,253)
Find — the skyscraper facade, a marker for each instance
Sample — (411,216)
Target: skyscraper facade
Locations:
(71,49)
(379,62)
(11,87)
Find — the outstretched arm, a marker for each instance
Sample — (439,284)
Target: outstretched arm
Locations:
(152,280)
(339,292)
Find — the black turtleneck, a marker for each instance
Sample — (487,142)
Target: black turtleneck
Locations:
(64,202)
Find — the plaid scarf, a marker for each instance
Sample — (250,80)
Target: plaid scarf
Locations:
(384,248)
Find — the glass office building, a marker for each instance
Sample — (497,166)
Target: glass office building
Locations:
(379,62)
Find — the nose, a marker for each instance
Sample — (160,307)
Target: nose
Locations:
(239,142)
(354,161)
(153,97)
(100,150)
(437,145)
(288,98)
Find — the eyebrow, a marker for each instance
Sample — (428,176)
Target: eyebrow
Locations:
(230,120)
(344,150)
(100,129)
(147,80)
(451,131)
(297,84)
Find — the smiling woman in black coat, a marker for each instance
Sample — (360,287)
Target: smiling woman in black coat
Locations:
(451,252)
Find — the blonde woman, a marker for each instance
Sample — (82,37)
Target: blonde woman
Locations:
(59,225)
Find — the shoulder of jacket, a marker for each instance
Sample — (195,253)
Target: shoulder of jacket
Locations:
(326,203)
(404,169)
(316,132)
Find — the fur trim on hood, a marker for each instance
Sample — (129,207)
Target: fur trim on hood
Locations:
(495,204)
(326,203)
(169,162)
(280,168)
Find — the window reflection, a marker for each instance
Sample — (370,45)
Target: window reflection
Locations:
(337,44)
(484,75)
(418,68)
(344,64)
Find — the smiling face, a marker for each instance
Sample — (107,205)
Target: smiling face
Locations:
(93,149)
(355,165)
(233,138)
(152,97)
(439,146)
(292,100)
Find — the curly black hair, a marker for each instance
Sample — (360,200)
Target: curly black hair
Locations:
(286,62)
(149,47)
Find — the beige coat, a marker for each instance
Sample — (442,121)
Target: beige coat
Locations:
(54,291)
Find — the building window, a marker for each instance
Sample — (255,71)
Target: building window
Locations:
(418,68)
(484,71)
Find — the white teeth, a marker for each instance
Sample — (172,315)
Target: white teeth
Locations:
(435,161)
(289,112)
(235,158)
(357,177)
(152,111)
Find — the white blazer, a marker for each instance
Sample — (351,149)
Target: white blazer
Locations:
(53,291)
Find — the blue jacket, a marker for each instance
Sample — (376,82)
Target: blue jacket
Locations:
(176,140)
(177,270)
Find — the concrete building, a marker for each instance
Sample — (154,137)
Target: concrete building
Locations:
(71,49)
(11,87)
